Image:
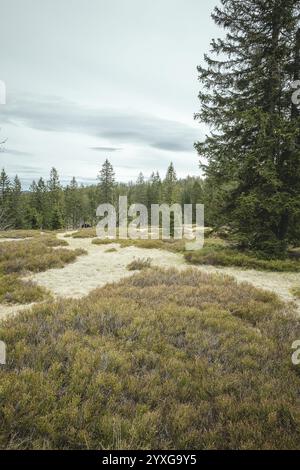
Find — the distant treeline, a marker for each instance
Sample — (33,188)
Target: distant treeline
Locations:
(50,206)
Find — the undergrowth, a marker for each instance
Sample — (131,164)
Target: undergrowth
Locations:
(161,360)
(18,258)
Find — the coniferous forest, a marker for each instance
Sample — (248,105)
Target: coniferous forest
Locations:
(48,205)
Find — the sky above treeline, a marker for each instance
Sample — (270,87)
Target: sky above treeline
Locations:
(89,80)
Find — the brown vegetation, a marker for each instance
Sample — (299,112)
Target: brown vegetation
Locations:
(162,359)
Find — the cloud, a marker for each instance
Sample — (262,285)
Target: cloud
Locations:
(174,146)
(105,149)
(117,126)
(17,153)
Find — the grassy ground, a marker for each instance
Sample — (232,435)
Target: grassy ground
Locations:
(170,245)
(19,234)
(215,252)
(296,291)
(84,233)
(161,360)
(15,291)
(35,255)
(218,255)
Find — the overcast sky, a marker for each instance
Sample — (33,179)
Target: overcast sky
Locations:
(91,79)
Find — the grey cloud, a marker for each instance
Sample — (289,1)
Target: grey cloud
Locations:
(175,146)
(119,127)
(17,153)
(105,149)
(27,169)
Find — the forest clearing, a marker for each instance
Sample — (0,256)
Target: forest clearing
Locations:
(150,231)
(100,266)
(76,345)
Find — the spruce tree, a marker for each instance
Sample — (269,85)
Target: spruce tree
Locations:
(5,189)
(17,207)
(56,218)
(56,200)
(154,189)
(253,147)
(141,193)
(73,204)
(40,202)
(170,192)
(54,188)
(106,184)
(43,203)
(5,201)
(170,195)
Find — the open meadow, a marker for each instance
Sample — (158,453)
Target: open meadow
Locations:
(130,347)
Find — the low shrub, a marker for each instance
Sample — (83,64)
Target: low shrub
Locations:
(296,291)
(83,233)
(139,264)
(14,290)
(170,245)
(19,234)
(161,360)
(218,255)
(54,242)
(34,256)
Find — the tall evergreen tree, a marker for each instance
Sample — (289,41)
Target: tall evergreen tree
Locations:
(17,206)
(154,189)
(56,200)
(40,202)
(5,189)
(73,204)
(141,193)
(5,201)
(246,100)
(43,203)
(106,185)
(54,187)
(170,195)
